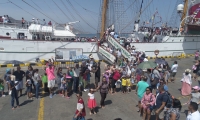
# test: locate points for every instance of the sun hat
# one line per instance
(7, 70)
(188, 70)
(196, 87)
(68, 76)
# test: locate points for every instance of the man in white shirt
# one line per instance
(145, 59)
(119, 53)
(174, 70)
(76, 71)
(193, 112)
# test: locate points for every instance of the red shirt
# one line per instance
(80, 105)
(116, 75)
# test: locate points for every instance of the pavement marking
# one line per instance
(41, 107)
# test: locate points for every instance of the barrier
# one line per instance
(179, 56)
(42, 64)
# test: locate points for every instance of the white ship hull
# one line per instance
(171, 46)
(28, 50)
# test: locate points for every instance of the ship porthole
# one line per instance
(180, 40)
(7, 34)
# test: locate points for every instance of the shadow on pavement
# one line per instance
(107, 102)
(117, 119)
(26, 102)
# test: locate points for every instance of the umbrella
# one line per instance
(80, 58)
(139, 71)
(160, 61)
(15, 62)
(147, 65)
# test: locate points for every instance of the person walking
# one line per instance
(91, 102)
(19, 75)
(147, 102)
(186, 83)
(103, 87)
(195, 95)
(97, 72)
(51, 78)
(193, 112)
(14, 96)
(161, 100)
(140, 90)
(76, 71)
(58, 80)
(6, 76)
(80, 111)
(23, 23)
(37, 81)
(174, 71)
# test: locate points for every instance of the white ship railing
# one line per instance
(14, 25)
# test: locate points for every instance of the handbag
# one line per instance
(10, 92)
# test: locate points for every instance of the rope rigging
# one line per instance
(123, 12)
(80, 15)
(135, 16)
(21, 8)
(78, 25)
(39, 11)
(36, 4)
(52, 11)
(62, 11)
(94, 13)
(4, 2)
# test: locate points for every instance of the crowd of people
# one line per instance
(150, 85)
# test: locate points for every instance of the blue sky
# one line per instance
(90, 15)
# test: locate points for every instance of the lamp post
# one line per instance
(156, 52)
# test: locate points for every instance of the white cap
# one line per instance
(33, 18)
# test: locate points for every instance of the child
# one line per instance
(132, 80)
(128, 84)
(91, 102)
(80, 81)
(29, 86)
(2, 88)
(124, 83)
(86, 80)
(110, 84)
(196, 55)
(63, 86)
(45, 83)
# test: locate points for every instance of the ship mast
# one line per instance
(184, 12)
(103, 23)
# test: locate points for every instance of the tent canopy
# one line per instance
(63, 33)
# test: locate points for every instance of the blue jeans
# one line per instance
(199, 82)
(78, 118)
(14, 97)
(37, 89)
(76, 83)
(120, 83)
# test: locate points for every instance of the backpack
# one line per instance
(169, 100)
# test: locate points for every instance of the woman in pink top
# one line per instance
(148, 101)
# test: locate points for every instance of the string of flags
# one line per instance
(156, 14)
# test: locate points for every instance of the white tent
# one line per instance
(63, 33)
(34, 28)
(47, 29)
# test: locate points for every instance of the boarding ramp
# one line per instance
(116, 45)
(108, 57)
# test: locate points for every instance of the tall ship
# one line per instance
(42, 41)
